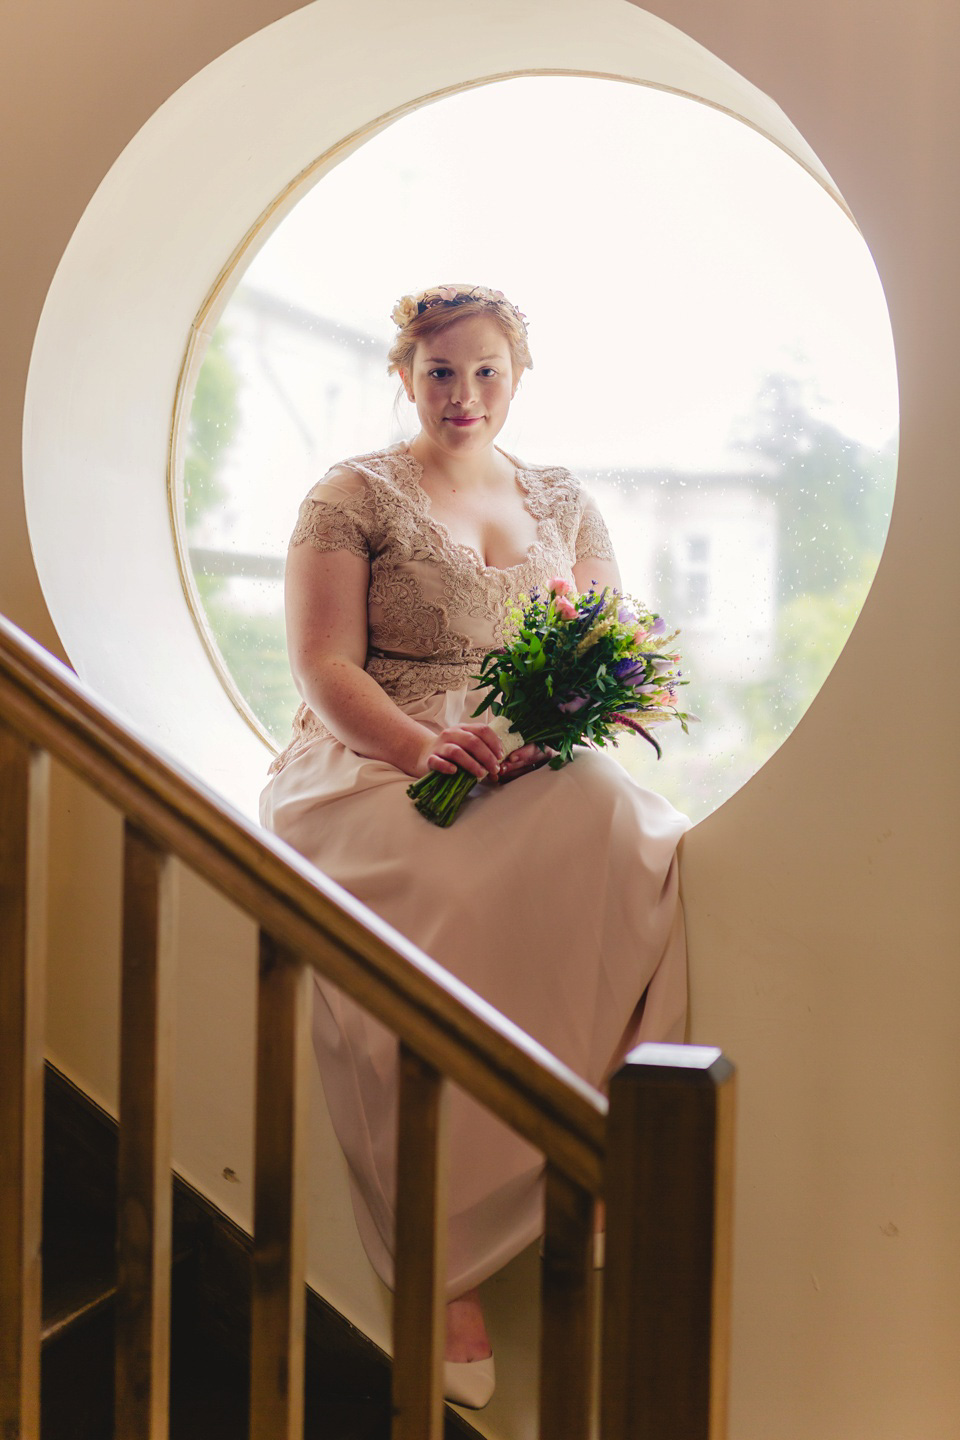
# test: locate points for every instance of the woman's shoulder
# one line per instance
(557, 477)
(552, 489)
(355, 473)
(362, 491)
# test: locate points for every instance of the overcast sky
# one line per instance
(668, 259)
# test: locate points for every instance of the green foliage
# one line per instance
(570, 672)
(254, 648)
(811, 631)
(832, 494)
(211, 431)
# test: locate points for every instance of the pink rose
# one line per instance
(570, 707)
(564, 608)
(559, 586)
(640, 634)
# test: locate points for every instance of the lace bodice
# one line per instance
(434, 608)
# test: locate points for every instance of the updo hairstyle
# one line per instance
(441, 306)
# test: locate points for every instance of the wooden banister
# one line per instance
(663, 1160)
(280, 1195)
(566, 1327)
(24, 785)
(667, 1283)
(441, 1019)
(144, 1199)
(421, 1245)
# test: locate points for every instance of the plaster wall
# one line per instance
(822, 910)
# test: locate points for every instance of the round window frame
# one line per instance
(214, 162)
(231, 276)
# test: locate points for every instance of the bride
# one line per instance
(399, 570)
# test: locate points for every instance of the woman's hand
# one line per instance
(472, 746)
(528, 757)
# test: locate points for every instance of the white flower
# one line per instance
(509, 740)
(404, 310)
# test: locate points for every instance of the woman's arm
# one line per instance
(326, 612)
(597, 573)
(596, 563)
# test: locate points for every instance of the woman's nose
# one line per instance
(463, 390)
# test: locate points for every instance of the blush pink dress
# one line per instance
(554, 897)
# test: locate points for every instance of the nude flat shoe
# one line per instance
(469, 1382)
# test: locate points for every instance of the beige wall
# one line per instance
(822, 906)
(823, 900)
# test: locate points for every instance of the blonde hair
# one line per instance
(441, 306)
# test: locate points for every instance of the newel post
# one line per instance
(666, 1303)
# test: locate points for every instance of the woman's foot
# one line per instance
(468, 1374)
(467, 1337)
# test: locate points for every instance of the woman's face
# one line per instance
(462, 384)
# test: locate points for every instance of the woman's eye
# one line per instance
(488, 372)
(440, 374)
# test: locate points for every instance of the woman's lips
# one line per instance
(464, 419)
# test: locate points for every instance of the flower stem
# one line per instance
(439, 797)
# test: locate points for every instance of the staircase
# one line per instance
(347, 1376)
(659, 1150)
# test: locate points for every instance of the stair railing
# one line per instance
(660, 1153)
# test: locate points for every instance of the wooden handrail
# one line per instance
(662, 1159)
(442, 1019)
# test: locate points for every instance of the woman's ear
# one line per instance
(406, 385)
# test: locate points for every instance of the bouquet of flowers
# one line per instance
(574, 669)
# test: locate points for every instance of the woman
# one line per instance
(398, 573)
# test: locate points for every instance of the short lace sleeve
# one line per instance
(337, 514)
(593, 538)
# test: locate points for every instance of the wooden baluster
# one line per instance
(566, 1311)
(418, 1302)
(280, 1195)
(667, 1278)
(24, 790)
(144, 1178)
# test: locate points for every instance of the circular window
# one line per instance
(712, 357)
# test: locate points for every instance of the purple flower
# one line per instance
(631, 672)
(626, 616)
(659, 626)
(588, 616)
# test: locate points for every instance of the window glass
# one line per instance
(712, 357)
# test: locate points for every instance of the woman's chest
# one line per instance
(498, 527)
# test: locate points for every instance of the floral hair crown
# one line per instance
(408, 307)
